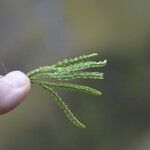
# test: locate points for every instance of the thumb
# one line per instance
(13, 88)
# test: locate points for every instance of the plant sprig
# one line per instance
(68, 70)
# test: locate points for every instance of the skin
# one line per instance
(14, 87)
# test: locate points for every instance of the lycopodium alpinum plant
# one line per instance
(67, 70)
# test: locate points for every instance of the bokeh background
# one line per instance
(34, 33)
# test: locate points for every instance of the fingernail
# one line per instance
(16, 79)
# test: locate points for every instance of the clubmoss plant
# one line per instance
(66, 70)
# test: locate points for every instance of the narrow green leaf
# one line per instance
(68, 70)
(61, 104)
(83, 58)
(70, 76)
(60, 64)
(70, 86)
(82, 66)
(45, 71)
(80, 75)
(35, 72)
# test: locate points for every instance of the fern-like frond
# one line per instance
(82, 66)
(40, 70)
(63, 63)
(68, 70)
(70, 86)
(70, 76)
(73, 65)
(80, 75)
(61, 104)
(83, 58)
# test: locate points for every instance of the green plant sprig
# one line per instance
(68, 70)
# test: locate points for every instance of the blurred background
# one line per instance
(34, 33)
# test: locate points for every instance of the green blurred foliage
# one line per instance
(36, 33)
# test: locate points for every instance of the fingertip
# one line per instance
(14, 88)
(17, 79)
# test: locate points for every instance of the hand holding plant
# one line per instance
(16, 85)
(67, 70)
